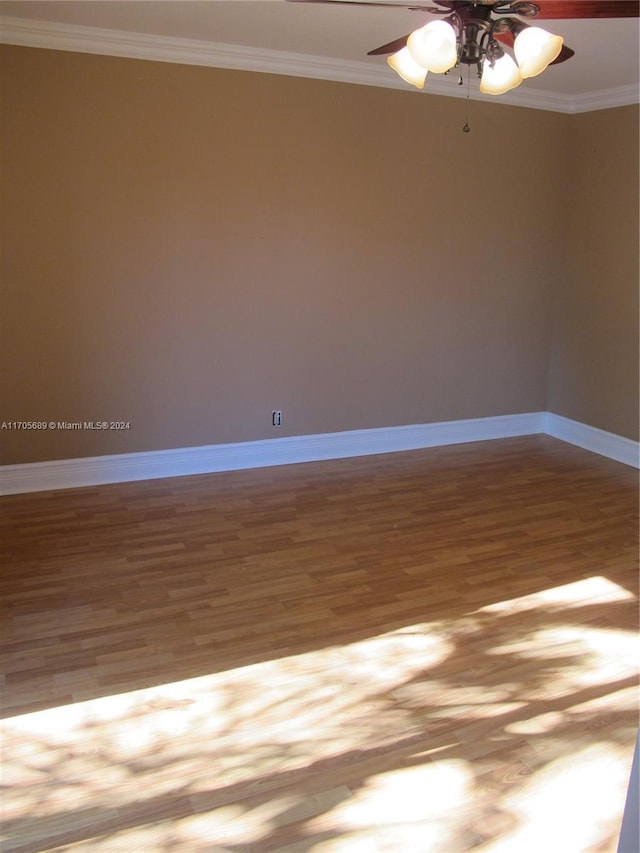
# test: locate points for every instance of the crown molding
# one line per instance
(71, 37)
(604, 99)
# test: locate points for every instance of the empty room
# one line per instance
(319, 418)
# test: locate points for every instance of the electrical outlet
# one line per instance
(276, 417)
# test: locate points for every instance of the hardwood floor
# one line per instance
(422, 651)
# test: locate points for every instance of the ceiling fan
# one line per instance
(475, 33)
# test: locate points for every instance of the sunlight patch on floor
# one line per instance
(472, 733)
(413, 808)
(567, 803)
(588, 591)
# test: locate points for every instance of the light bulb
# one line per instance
(535, 48)
(434, 46)
(504, 75)
(408, 68)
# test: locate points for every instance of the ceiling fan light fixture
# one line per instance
(434, 46)
(500, 77)
(405, 65)
(535, 49)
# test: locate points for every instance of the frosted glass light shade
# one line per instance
(434, 46)
(535, 48)
(408, 68)
(504, 75)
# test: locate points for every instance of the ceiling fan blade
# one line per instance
(508, 39)
(390, 47)
(549, 9)
(505, 38)
(565, 9)
(565, 53)
(413, 7)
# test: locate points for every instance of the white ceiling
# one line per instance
(337, 37)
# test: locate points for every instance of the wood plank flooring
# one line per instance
(423, 651)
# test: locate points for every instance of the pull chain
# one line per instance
(465, 126)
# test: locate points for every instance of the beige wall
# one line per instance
(593, 375)
(188, 248)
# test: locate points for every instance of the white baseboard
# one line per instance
(596, 440)
(99, 470)
(125, 467)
